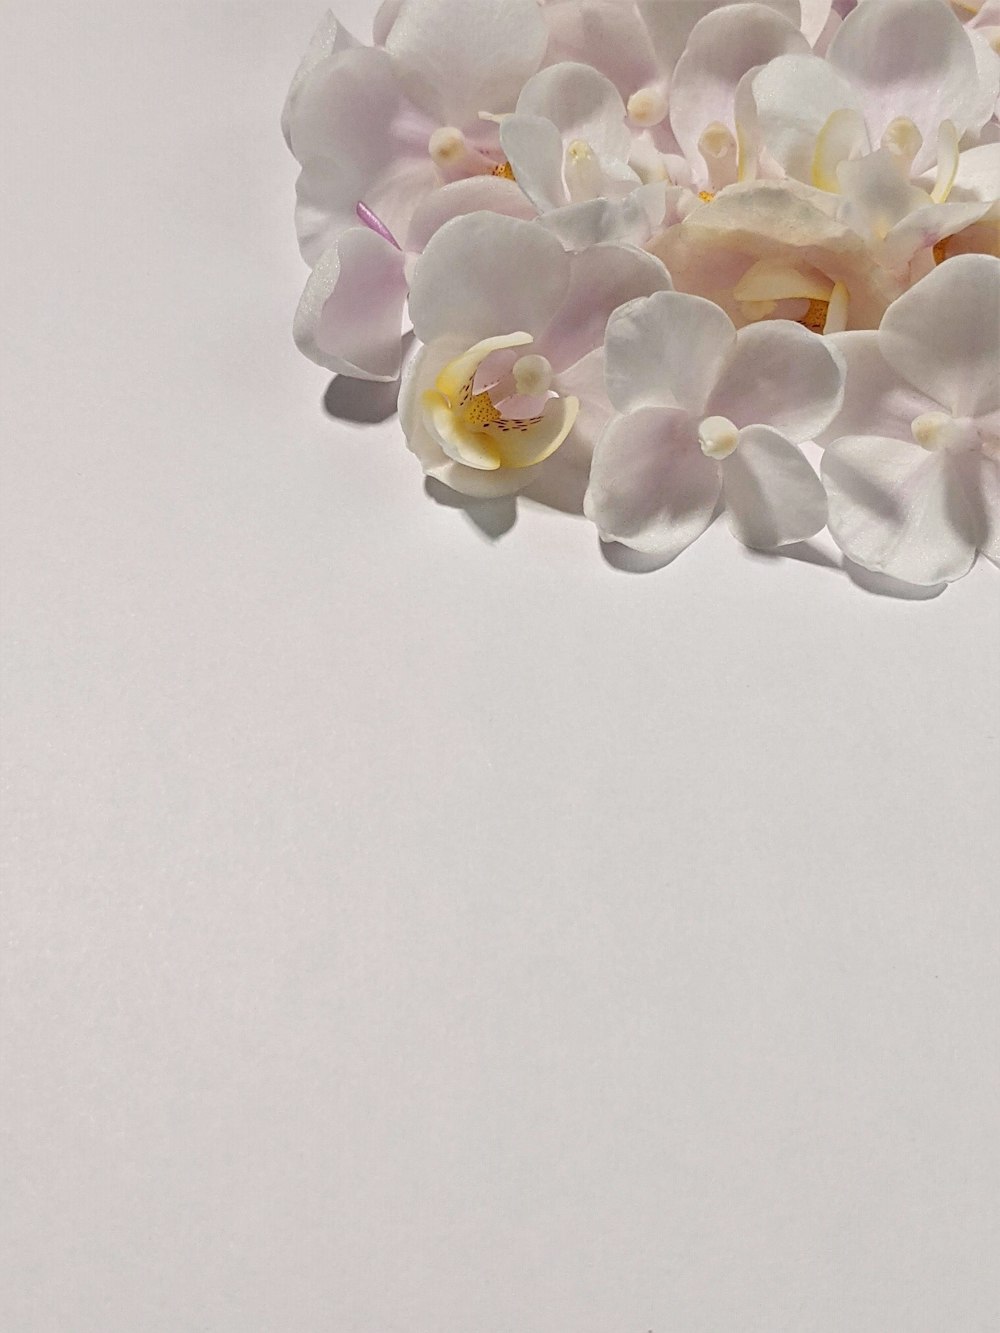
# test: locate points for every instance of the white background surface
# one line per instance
(414, 933)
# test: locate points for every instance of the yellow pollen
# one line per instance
(505, 170)
(706, 196)
(815, 316)
(480, 410)
(940, 252)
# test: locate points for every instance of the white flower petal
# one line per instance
(781, 375)
(651, 487)
(384, 18)
(666, 351)
(632, 219)
(899, 510)
(606, 34)
(670, 22)
(794, 97)
(978, 174)
(601, 279)
(989, 490)
(909, 58)
(722, 47)
(582, 104)
(534, 148)
(455, 59)
(815, 16)
(491, 194)
(772, 495)
(483, 275)
(876, 399)
(329, 38)
(350, 317)
(943, 334)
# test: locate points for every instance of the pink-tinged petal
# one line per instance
(582, 104)
(876, 399)
(722, 47)
(329, 39)
(384, 18)
(781, 375)
(492, 194)
(943, 335)
(815, 18)
(909, 58)
(651, 487)
(606, 34)
(670, 22)
(601, 279)
(455, 59)
(900, 510)
(926, 226)
(534, 148)
(633, 219)
(350, 317)
(876, 195)
(483, 275)
(666, 350)
(772, 495)
(584, 381)
(978, 175)
(989, 492)
(794, 97)
(351, 109)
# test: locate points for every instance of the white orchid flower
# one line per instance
(895, 74)
(912, 467)
(509, 380)
(709, 414)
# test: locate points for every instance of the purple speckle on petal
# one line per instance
(377, 225)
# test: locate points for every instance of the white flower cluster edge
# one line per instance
(651, 248)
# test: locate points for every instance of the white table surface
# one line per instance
(414, 932)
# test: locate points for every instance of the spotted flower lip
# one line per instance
(658, 255)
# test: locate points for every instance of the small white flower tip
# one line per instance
(718, 437)
(717, 140)
(446, 146)
(532, 375)
(903, 140)
(647, 107)
(933, 430)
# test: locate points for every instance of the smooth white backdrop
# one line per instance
(409, 931)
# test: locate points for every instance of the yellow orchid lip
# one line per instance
(474, 431)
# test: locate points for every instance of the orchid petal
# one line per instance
(455, 59)
(651, 487)
(900, 510)
(877, 400)
(670, 22)
(351, 314)
(666, 351)
(772, 495)
(781, 375)
(941, 335)
(483, 274)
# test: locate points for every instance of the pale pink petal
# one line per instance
(722, 47)
(606, 34)
(534, 148)
(582, 104)
(633, 219)
(492, 194)
(483, 275)
(351, 314)
(651, 487)
(455, 59)
(900, 510)
(877, 400)
(781, 375)
(989, 490)
(384, 19)
(772, 495)
(666, 351)
(329, 38)
(670, 22)
(909, 58)
(601, 279)
(943, 334)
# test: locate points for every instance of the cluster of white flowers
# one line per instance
(650, 248)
